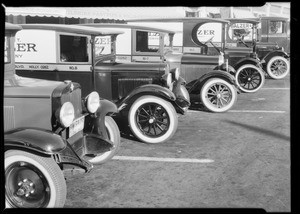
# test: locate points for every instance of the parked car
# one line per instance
(206, 37)
(272, 46)
(214, 89)
(49, 129)
(143, 93)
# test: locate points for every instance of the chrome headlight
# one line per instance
(93, 102)
(66, 114)
(175, 73)
(221, 59)
(169, 80)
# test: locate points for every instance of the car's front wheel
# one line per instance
(114, 136)
(249, 78)
(152, 119)
(218, 95)
(33, 181)
(278, 67)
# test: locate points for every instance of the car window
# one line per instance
(7, 57)
(147, 41)
(275, 27)
(73, 48)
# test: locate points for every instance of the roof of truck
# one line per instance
(71, 29)
(12, 27)
(112, 25)
(186, 19)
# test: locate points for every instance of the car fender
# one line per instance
(197, 84)
(222, 67)
(148, 89)
(35, 140)
(271, 54)
(246, 60)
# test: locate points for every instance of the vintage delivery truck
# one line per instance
(50, 129)
(206, 37)
(269, 39)
(147, 96)
(208, 87)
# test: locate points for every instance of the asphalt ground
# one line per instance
(237, 159)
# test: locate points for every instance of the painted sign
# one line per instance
(35, 46)
(102, 45)
(209, 31)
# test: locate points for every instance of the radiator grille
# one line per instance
(9, 118)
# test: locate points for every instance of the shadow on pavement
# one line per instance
(260, 130)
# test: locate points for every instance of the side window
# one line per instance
(73, 48)
(7, 57)
(147, 41)
(275, 27)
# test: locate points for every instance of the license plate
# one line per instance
(76, 126)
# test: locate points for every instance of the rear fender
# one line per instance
(149, 89)
(222, 67)
(197, 85)
(34, 139)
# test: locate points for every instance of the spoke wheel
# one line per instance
(249, 78)
(152, 119)
(278, 67)
(217, 95)
(33, 181)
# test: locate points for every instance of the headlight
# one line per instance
(221, 59)
(66, 114)
(175, 73)
(169, 80)
(93, 102)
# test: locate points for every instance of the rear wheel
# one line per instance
(32, 181)
(249, 78)
(152, 119)
(278, 67)
(218, 95)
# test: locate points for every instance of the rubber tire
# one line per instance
(207, 104)
(114, 136)
(49, 168)
(271, 61)
(262, 75)
(170, 111)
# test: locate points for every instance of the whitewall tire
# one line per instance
(33, 181)
(218, 95)
(152, 119)
(278, 67)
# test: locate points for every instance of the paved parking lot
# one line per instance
(237, 159)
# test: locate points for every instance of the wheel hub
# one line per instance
(26, 187)
(152, 120)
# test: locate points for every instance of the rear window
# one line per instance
(276, 27)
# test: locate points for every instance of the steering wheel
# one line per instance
(209, 40)
(241, 40)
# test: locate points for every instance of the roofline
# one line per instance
(71, 29)
(186, 19)
(112, 25)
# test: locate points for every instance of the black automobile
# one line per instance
(145, 94)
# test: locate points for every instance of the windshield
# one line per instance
(7, 57)
(241, 31)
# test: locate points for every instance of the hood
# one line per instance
(29, 87)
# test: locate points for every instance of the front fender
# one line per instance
(35, 139)
(222, 67)
(271, 54)
(197, 85)
(149, 89)
(247, 60)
